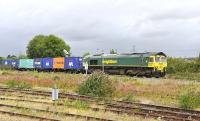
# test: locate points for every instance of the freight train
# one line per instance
(134, 64)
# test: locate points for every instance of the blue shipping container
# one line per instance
(38, 63)
(15, 63)
(74, 63)
(47, 63)
(7, 62)
(10, 63)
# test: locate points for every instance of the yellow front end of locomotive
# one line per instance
(158, 62)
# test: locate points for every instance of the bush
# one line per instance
(190, 98)
(97, 85)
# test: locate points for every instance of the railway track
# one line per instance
(27, 116)
(88, 118)
(146, 110)
(120, 110)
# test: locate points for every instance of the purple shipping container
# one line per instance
(47, 63)
(9, 63)
(15, 63)
(74, 63)
(37, 63)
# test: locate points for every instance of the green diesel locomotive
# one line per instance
(134, 64)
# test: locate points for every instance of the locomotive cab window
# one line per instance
(163, 59)
(157, 59)
(151, 59)
(93, 62)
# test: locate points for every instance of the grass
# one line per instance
(78, 107)
(157, 91)
(190, 97)
(185, 76)
(17, 84)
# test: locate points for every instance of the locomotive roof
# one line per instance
(146, 54)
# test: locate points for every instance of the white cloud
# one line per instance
(172, 26)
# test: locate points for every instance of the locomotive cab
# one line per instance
(159, 63)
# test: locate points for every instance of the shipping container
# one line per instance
(26, 64)
(58, 63)
(37, 63)
(47, 63)
(15, 63)
(7, 62)
(75, 63)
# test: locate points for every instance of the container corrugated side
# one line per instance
(73, 63)
(14, 63)
(26, 63)
(47, 63)
(58, 63)
(37, 63)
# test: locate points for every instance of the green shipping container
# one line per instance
(26, 63)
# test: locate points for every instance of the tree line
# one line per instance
(182, 65)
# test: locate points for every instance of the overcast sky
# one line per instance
(172, 26)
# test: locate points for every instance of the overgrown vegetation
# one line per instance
(190, 98)
(180, 68)
(98, 84)
(180, 65)
(20, 85)
(130, 98)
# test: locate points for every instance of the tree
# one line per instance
(1, 58)
(199, 57)
(46, 46)
(112, 51)
(86, 54)
(11, 57)
(22, 57)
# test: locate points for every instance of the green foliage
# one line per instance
(86, 54)
(76, 104)
(20, 85)
(112, 51)
(180, 65)
(97, 85)
(24, 85)
(80, 104)
(5, 73)
(190, 98)
(12, 57)
(46, 46)
(22, 57)
(11, 84)
(1, 58)
(130, 98)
